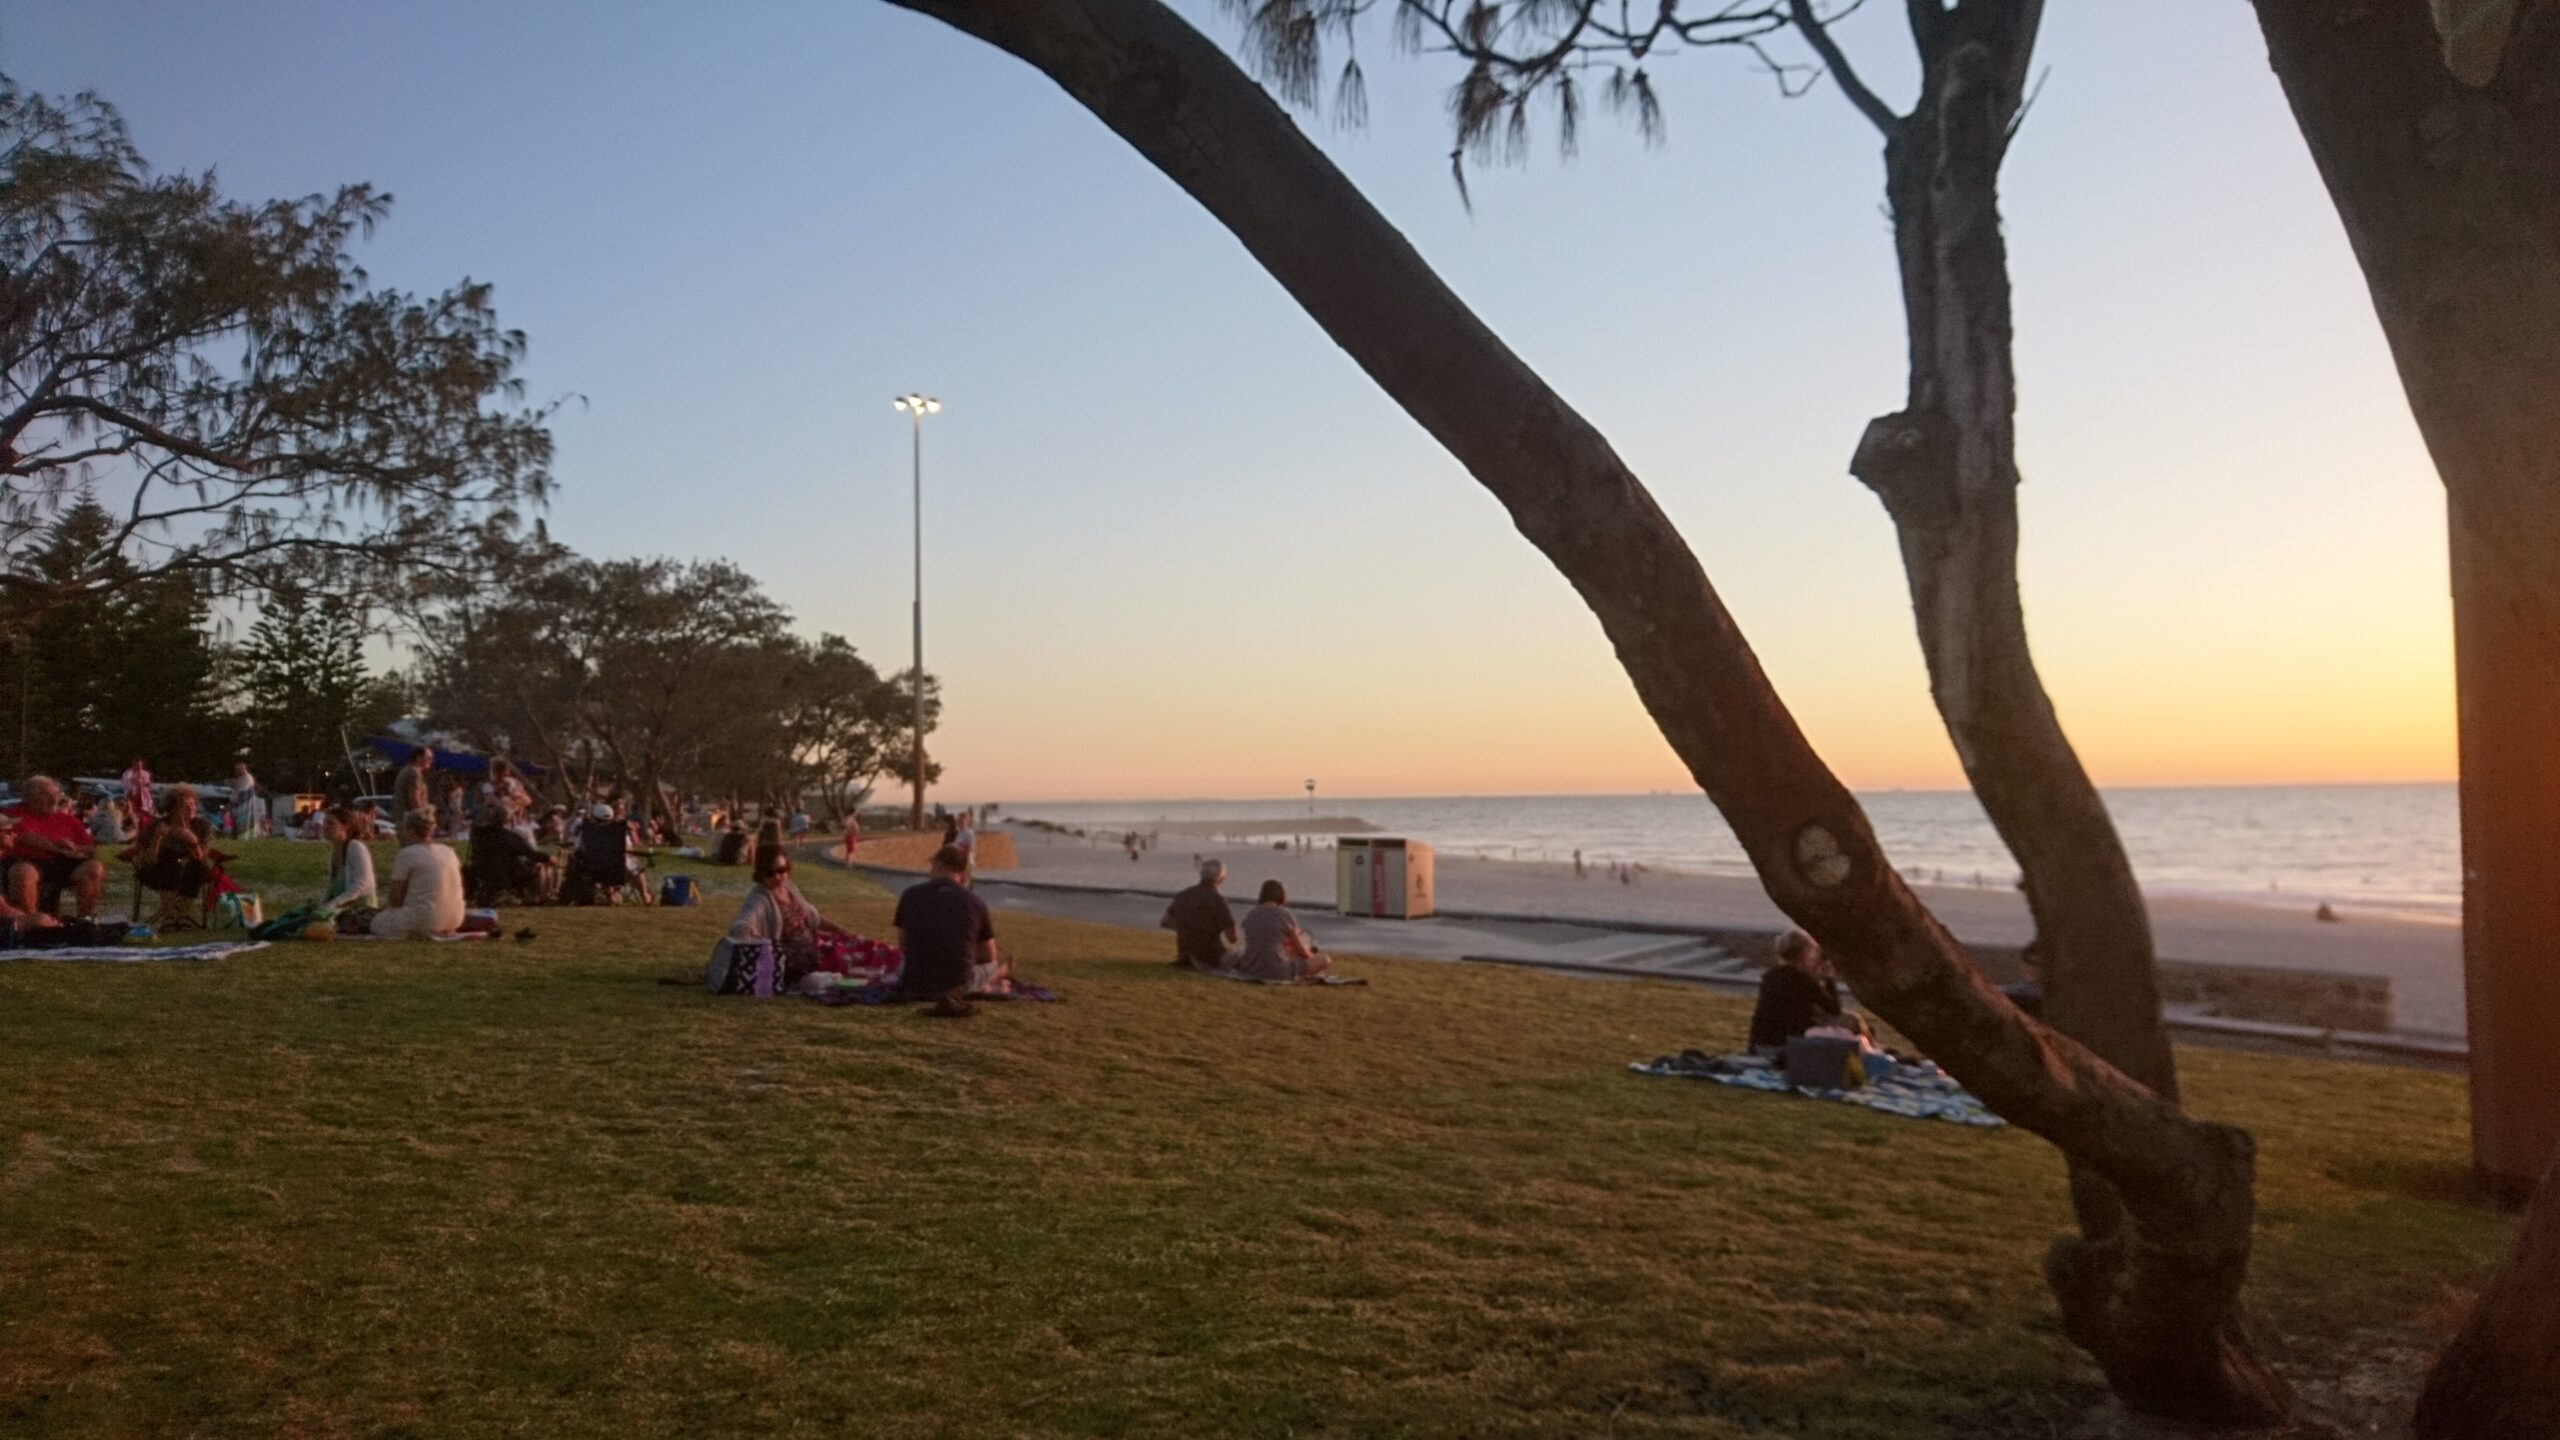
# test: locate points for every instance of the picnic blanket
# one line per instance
(129, 954)
(438, 939)
(1328, 978)
(1916, 1091)
(884, 991)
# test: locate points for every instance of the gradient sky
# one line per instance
(1176, 544)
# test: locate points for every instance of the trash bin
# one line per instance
(1382, 876)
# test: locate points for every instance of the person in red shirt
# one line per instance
(52, 851)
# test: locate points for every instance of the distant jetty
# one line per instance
(1241, 827)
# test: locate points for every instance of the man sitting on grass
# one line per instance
(52, 851)
(1204, 929)
(1798, 994)
(949, 937)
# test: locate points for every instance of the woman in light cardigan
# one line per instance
(350, 861)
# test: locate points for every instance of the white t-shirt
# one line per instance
(433, 903)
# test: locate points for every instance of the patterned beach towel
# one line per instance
(131, 954)
(1915, 1092)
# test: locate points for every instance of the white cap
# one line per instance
(600, 811)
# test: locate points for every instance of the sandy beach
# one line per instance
(2422, 961)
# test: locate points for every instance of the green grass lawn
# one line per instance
(500, 1189)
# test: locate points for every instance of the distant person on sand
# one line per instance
(1274, 947)
(1204, 929)
(949, 936)
(1797, 994)
(1577, 865)
(964, 837)
(1129, 842)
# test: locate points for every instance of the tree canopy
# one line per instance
(222, 373)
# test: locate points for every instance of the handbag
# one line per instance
(745, 967)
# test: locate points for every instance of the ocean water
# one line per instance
(2392, 848)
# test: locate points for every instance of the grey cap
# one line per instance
(1213, 871)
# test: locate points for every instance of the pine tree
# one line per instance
(303, 671)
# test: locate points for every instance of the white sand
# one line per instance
(2422, 961)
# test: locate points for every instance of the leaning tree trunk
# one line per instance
(2186, 1184)
(2500, 1379)
(1945, 467)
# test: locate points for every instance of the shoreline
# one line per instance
(2420, 958)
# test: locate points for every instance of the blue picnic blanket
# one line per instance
(1915, 1091)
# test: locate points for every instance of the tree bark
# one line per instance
(1183, 104)
(2449, 187)
(1945, 467)
(2500, 1379)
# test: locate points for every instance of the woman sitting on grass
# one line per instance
(776, 911)
(1796, 995)
(175, 857)
(426, 884)
(1274, 947)
(350, 861)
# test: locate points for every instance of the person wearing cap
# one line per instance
(600, 861)
(1204, 929)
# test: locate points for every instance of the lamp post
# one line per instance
(916, 408)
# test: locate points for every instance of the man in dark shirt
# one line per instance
(944, 928)
(1796, 995)
(1204, 929)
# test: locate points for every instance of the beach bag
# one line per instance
(679, 890)
(745, 967)
(290, 924)
(241, 908)
(1821, 1062)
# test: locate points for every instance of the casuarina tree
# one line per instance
(2156, 1299)
(219, 373)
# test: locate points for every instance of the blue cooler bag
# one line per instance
(679, 890)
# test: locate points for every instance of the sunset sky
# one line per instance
(1178, 545)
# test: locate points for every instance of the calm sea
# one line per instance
(2378, 847)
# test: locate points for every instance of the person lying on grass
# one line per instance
(1274, 947)
(776, 911)
(1798, 994)
(949, 936)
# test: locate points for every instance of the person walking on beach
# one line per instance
(1577, 864)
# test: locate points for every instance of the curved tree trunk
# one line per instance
(2186, 1184)
(1945, 467)
(2500, 1378)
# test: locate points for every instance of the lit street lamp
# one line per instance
(916, 408)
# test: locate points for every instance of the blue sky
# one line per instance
(1177, 544)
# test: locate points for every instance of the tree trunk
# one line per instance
(1180, 102)
(1945, 467)
(2500, 1379)
(2442, 160)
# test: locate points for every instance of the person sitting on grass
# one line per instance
(1204, 929)
(1275, 948)
(504, 862)
(776, 912)
(52, 851)
(426, 884)
(350, 860)
(949, 936)
(1798, 994)
(175, 858)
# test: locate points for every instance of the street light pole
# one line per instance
(917, 407)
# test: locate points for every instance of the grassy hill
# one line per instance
(524, 1189)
